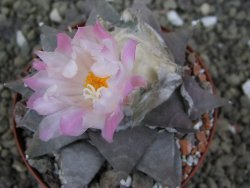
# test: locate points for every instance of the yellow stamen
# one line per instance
(96, 82)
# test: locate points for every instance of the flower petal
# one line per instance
(71, 123)
(133, 83)
(108, 101)
(53, 59)
(46, 106)
(94, 119)
(138, 81)
(100, 31)
(105, 68)
(38, 81)
(70, 70)
(38, 65)
(50, 126)
(63, 43)
(111, 124)
(33, 98)
(128, 53)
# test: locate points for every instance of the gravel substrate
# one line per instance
(222, 39)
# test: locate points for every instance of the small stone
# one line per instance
(31, 35)
(211, 183)
(186, 146)
(20, 39)
(192, 58)
(214, 145)
(202, 185)
(205, 8)
(4, 153)
(209, 21)
(18, 166)
(202, 77)
(4, 125)
(234, 79)
(187, 169)
(157, 185)
(205, 118)
(142, 181)
(111, 179)
(246, 88)
(174, 18)
(201, 136)
(194, 150)
(127, 182)
(3, 57)
(170, 4)
(190, 160)
(202, 147)
(55, 16)
(226, 147)
(18, 61)
(198, 125)
(227, 160)
(196, 69)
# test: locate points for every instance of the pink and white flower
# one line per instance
(83, 83)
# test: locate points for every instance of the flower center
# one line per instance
(93, 85)
(96, 82)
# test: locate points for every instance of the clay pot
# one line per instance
(20, 141)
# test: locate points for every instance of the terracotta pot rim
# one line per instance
(38, 177)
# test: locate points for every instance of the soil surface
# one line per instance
(222, 39)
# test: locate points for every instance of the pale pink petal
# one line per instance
(105, 68)
(94, 119)
(111, 124)
(108, 101)
(128, 88)
(46, 106)
(38, 65)
(50, 126)
(100, 31)
(85, 32)
(133, 83)
(70, 70)
(63, 43)
(138, 81)
(53, 59)
(128, 53)
(109, 49)
(38, 81)
(41, 81)
(33, 98)
(71, 123)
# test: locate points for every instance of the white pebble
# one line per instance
(195, 22)
(232, 129)
(209, 21)
(55, 16)
(198, 125)
(171, 130)
(126, 16)
(20, 39)
(197, 153)
(190, 160)
(174, 18)
(157, 185)
(205, 8)
(246, 88)
(127, 182)
(41, 24)
(196, 161)
(178, 143)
